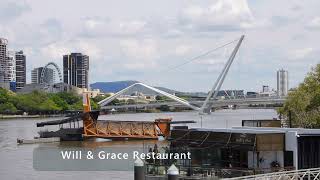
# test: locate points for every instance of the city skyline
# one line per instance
(138, 46)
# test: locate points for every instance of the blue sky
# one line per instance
(140, 39)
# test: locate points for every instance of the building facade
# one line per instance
(3, 57)
(282, 82)
(9, 70)
(10, 67)
(76, 70)
(20, 69)
(49, 76)
(265, 88)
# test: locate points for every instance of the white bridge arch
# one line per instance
(173, 97)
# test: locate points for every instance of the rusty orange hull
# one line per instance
(121, 129)
(124, 129)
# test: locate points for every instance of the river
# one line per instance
(17, 160)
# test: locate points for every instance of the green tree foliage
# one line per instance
(117, 101)
(100, 98)
(76, 106)
(37, 102)
(59, 101)
(3, 96)
(94, 105)
(7, 108)
(69, 98)
(162, 98)
(304, 102)
(159, 98)
(49, 105)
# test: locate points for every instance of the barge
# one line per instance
(86, 125)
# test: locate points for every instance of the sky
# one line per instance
(143, 40)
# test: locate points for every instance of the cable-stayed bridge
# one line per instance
(203, 106)
(193, 104)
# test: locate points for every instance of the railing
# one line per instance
(309, 174)
(203, 172)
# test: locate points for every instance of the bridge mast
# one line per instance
(205, 108)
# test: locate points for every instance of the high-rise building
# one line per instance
(9, 67)
(8, 71)
(76, 70)
(282, 82)
(49, 75)
(3, 57)
(20, 69)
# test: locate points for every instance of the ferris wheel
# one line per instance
(44, 70)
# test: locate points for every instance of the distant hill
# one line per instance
(116, 86)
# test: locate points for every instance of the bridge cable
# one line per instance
(201, 55)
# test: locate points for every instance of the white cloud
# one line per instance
(54, 51)
(314, 23)
(139, 53)
(131, 27)
(222, 15)
(182, 50)
(10, 10)
(301, 53)
(57, 50)
(212, 61)
(95, 26)
(139, 49)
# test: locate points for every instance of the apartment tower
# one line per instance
(20, 69)
(282, 82)
(76, 70)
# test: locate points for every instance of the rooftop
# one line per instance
(262, 130)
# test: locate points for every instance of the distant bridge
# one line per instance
(196, 103)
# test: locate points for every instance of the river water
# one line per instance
(16, 161)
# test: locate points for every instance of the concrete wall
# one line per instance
(292, 145)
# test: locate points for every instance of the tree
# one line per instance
(304, 102)
(26, 103)
(49, 105)
(3, 95)
(38, 101)
(63, 105)
(116, 101)
(100, 98)
(159, 98)
(76, 106)
(7, 108)
(70, 98)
